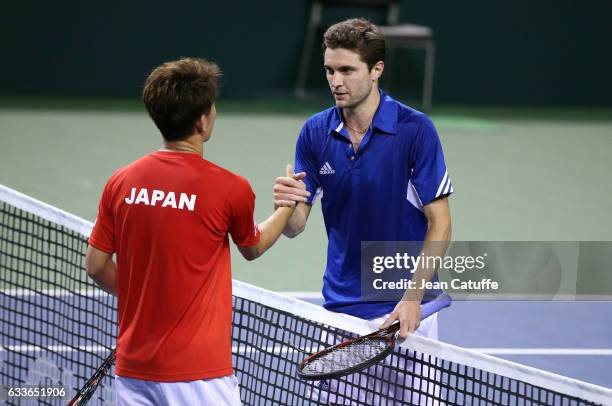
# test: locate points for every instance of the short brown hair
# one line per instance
(359, 35)
(177, 93)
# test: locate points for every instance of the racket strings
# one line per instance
(346, 357)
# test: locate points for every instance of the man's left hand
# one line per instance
(408, 312)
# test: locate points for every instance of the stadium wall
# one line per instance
(506, 53)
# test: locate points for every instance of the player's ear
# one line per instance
(200, 124)
(377, 70)
(207, 123)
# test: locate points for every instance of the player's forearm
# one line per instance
(435, 245)
(272, 228)
(296, 223)
(105, 276)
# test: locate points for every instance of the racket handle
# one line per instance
(440, 302)
(389, 330)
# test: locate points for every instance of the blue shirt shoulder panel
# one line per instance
(429, 178)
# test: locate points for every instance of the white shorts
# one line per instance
(218, 391)
(325, 391)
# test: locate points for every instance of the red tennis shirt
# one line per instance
(167, 216)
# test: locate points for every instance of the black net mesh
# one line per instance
(266, 359)
(57, 328)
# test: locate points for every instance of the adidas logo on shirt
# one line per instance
(327, 169)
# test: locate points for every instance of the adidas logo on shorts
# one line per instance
(326, 169)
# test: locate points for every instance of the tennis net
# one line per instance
(57, 327)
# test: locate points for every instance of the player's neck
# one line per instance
(192, 144)
(361, 115)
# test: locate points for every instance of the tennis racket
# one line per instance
(83, 395)
(359, 353)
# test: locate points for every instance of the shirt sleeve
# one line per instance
(429, 173)
(243, 228)
(103, 234)
(305, 161)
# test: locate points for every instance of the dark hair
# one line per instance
(177, 93)
(359, 35)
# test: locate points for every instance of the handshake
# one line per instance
(290, 189)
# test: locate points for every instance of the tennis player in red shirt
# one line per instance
(167, 217)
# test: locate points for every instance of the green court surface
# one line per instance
(519, 174)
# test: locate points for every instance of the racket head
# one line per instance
(346, 358)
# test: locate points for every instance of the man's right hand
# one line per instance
(290, 189)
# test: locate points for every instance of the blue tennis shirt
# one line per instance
(374, 194)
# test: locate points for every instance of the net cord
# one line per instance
(46, 211)
(459, 355)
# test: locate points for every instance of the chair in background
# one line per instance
(397, 35)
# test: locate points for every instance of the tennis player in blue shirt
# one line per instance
(378, 168)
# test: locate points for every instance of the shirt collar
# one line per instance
(385, 118)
